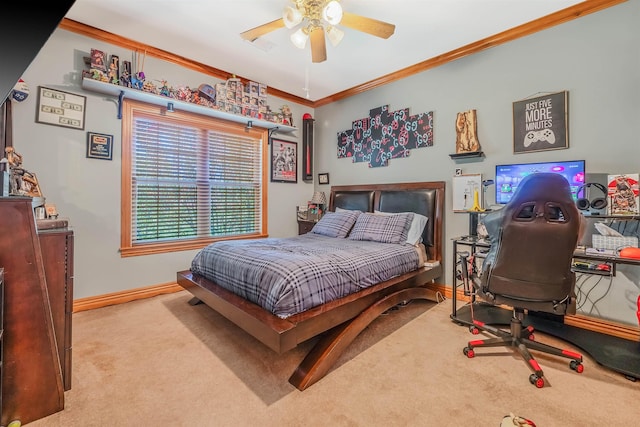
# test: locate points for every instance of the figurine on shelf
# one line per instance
(138, 79)
(164, 88)
(183, 93)
(287, 117)
(125, 76)
(114, 69)
(149, 87)
(136, 83)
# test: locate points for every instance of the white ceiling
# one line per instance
(207, 31)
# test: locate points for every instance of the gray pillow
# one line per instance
(382, 228)
(414, 235)
(336, 224)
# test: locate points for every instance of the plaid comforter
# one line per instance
(290, 275)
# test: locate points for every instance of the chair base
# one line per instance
(514, 338)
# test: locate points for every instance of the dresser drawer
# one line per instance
(305, 226)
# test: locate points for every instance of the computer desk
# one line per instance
(619, 354)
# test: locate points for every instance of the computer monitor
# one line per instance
(509, 176)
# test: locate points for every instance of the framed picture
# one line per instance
(51, 210)
(323, 178)
(98, 60)
(59, 108)
(467, 193)
(541, 123)
(284, 161)
(99, 146)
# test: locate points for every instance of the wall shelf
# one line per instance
(122, 92)
(604, 216)
(467, 155)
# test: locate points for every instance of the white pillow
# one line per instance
(414, 235)
(339, 209)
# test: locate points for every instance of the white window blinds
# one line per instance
(193, 180)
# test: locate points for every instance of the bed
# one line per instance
(337, 322)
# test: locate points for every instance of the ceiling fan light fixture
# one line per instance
(291, 16)
(332, 12)
(334, 35)
(316, 21)
(299, 38)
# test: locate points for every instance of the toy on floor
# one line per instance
(514, 420)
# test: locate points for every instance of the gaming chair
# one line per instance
(528, 266)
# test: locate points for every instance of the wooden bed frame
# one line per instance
(338, 322)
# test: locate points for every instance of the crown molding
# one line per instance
(579, 10)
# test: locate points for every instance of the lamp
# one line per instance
(291, 16)
(319, 198)
(334, 35)
(299, 38)
(332, 12)
(313, 15)
(170, 107)
(249, 126)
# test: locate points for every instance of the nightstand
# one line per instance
(305, 226)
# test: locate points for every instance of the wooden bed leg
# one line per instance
(327, 351)
(195, 301)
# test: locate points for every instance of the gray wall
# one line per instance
(87, 191)
(595, 58)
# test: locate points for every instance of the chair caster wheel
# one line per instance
(576, 366)
(536, 380)
(474, 330)
(531, 337)
(469, 352)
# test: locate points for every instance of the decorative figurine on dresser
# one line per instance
(22, 182)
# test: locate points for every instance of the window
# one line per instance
(188, 180)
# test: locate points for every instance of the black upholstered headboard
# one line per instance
(426, 198)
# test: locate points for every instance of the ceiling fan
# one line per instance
(317, 18)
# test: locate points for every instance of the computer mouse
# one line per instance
(629, 253)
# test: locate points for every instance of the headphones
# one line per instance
(597, 203)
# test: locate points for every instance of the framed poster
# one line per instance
(98, 60)
(541, 123)
(623, 192)
(59, 108)
(284, 161)
(99, 146)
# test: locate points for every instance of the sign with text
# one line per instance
(541, 123)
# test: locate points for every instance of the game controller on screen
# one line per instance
(539, 135)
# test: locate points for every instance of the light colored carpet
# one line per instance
(163, 362)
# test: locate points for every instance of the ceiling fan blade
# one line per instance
(367, 25)
(263, 29)
(318, 45)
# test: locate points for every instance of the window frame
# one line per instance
(129, 109)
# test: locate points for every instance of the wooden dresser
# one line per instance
(1, 328)
(57, 256)
(32, 383)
